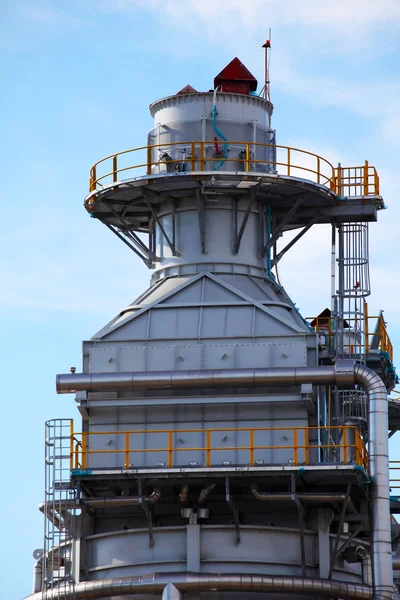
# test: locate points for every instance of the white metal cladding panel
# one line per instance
(239, 320)
(268, 325)
(134, 329)
(205, 322)
(129, 548)
(191, 293)
(104, 360)
(245, 414)
(189, 445)
(189, 357)
(174, 323)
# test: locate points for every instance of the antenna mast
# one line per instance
(265, 92)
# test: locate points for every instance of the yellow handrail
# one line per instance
(80, 451)
(362, 180)
(324, 325)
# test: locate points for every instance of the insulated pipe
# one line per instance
(99, 502)
(341, 374)
(184, 494)
(365, 559)
(118, 501)
(311, 496)
(344, 374)
(355, 554)
(205, 492)
(381, 542)
(211, 582)
(37, 576)
(308, 497)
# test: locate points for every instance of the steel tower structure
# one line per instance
(229, 448)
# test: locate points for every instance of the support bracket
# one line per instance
(146, 195)
(147, 510)
(147, 261)
(312, 222)
(234, 508)
(251, 195)
(202, 219)
(302, 518)
(278, 230)
(340, 529)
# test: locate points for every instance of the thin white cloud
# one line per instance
(340, 28)
(358, 14)
(41, 12)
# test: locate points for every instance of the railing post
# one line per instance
(252, 447)
(71, 444)
(208, 448)
(201, 156)
(345, 445)
(366, 327)
(376, 182)
(295, 449)
(318, 170)
(359, 458)
(247, 157)
(339, 180)
(77, 455)
(84, 450)
(93, 179)
(149, 157)
(127, 434)
(170, 449)
(288, 162)
(306, 445)
(115, 167)
(333, 181)
(193, 156)
(381, 334)
(366, 175)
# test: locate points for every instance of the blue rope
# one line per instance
(221, 135)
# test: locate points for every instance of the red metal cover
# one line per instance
(236, 74)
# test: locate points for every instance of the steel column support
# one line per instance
(252, 195)
(234, 509)
(277, 232)
(340, 529)
(147, 261)
(202, 219)
(281, 254)
(145, 506)
(324, 519)
(193, 548)
(156, 218)
(302, 518)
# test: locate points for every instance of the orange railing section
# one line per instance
(350, 448)
(344, 181)
(360, 329)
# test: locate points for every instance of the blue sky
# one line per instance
(77, 79)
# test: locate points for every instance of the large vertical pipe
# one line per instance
(379, 472)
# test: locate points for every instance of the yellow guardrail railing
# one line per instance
(344, 181)
(360, 329)
(350, 448)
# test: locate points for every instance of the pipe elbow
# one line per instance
(205, 492)
(154, 496)
(184, 494)
(256, 493)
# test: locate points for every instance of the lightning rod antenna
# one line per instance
(266, 89)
